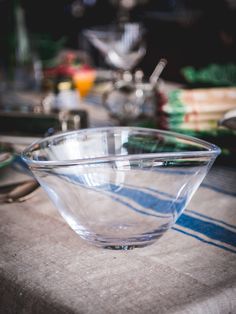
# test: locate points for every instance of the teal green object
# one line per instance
(47, 48)
(213, 74)
(6, 162)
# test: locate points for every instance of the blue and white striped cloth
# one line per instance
(211, 215)
(209, 218)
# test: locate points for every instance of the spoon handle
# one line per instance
(157, 72)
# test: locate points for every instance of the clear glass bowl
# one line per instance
(120, 187)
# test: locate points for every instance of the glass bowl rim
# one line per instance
(211, 151)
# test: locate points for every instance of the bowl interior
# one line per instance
(122, 142)
(120, 187)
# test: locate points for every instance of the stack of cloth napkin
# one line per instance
(197, 112)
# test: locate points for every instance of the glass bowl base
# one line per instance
(123, 244)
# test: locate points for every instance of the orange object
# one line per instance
(84, 80)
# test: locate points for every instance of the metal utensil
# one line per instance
(157, 71)
(4, 156)
(18, 192)
(229, 120)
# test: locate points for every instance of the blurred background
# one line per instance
(186, 32)
(69, 64)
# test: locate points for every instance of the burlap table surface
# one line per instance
(46, 268)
